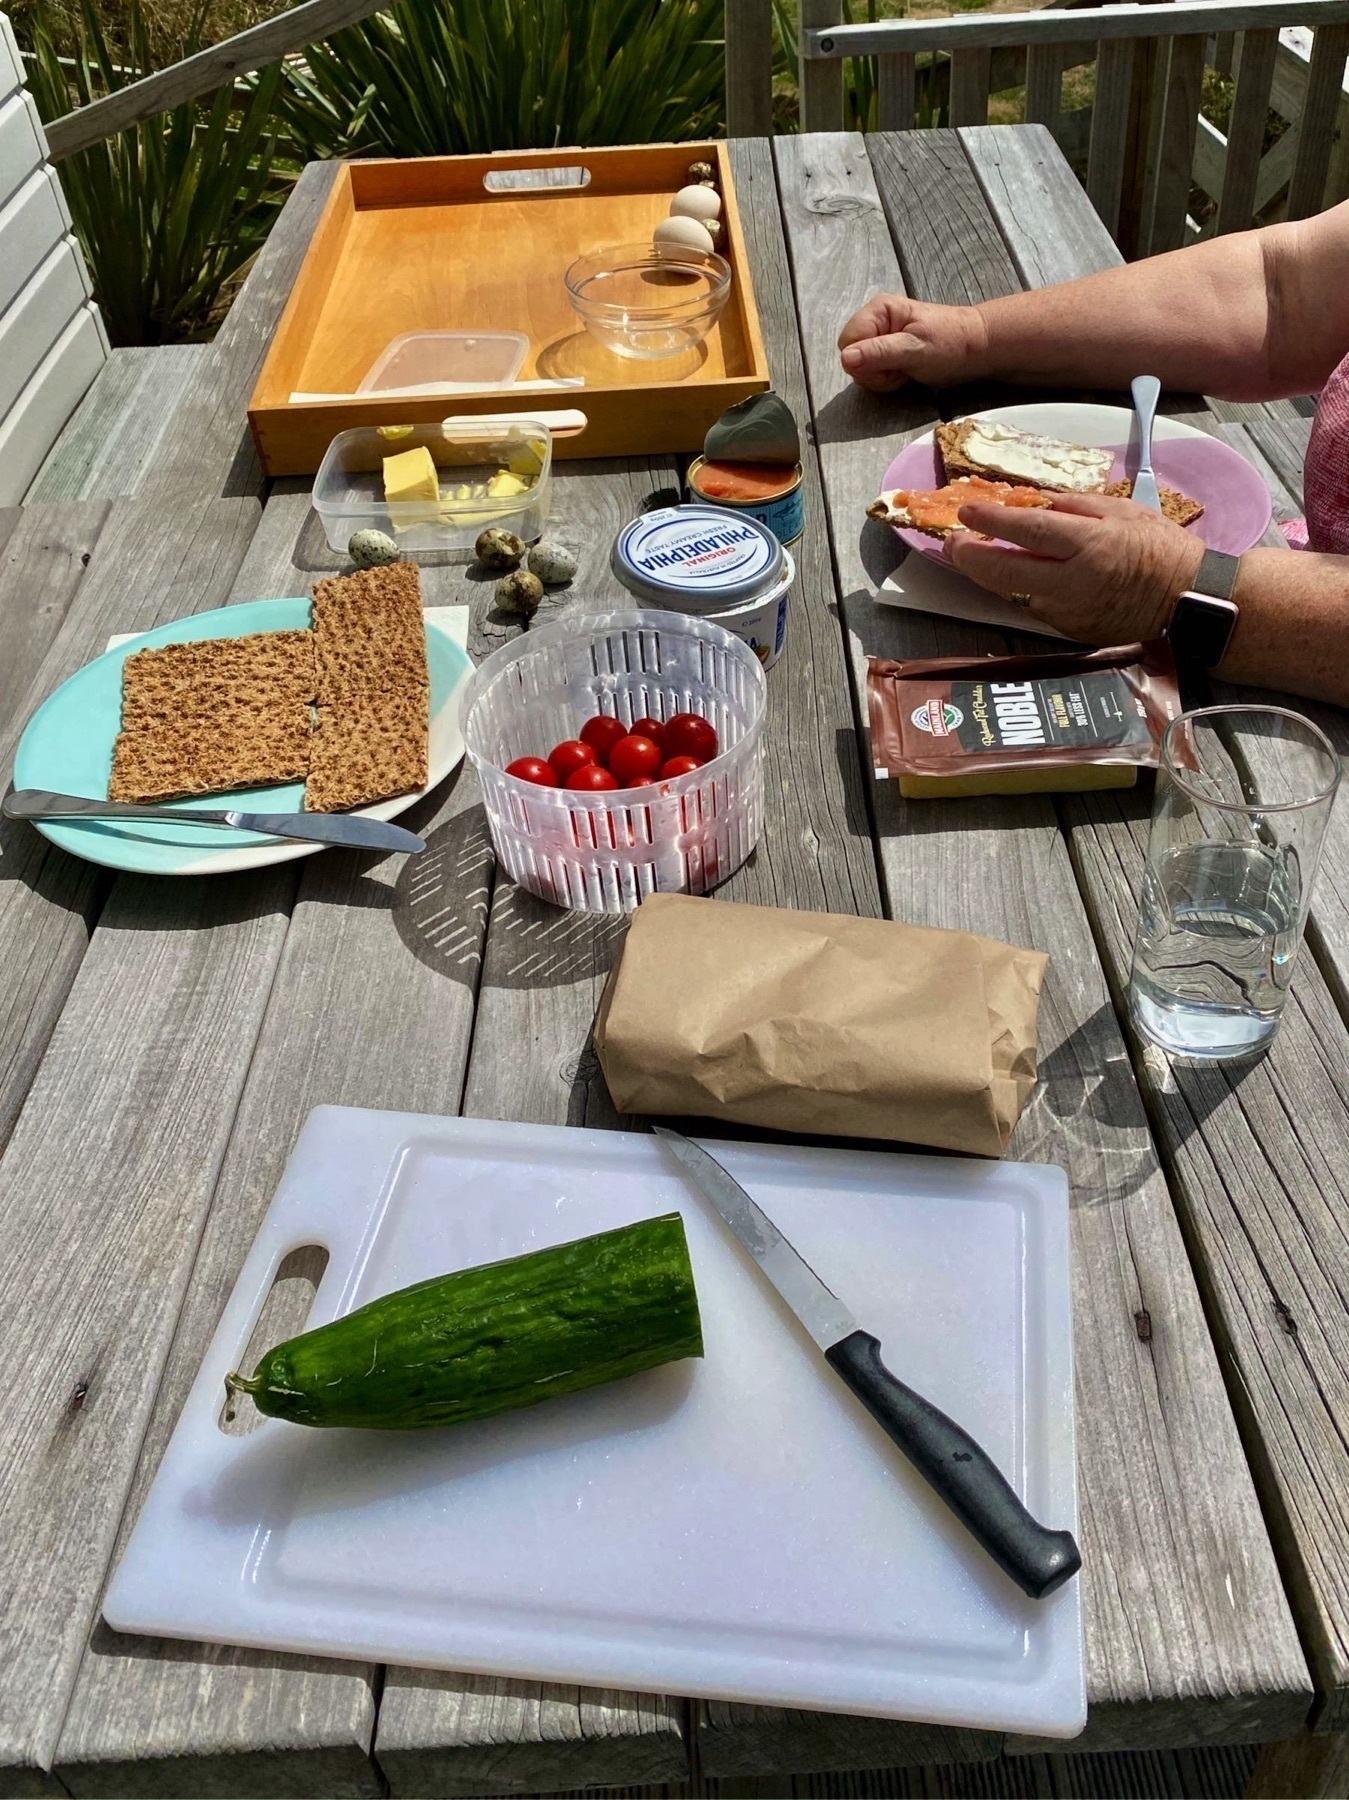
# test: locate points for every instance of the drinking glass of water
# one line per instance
(1243, 799)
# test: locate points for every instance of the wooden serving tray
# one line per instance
(425, 244)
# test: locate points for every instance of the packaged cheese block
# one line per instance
(1021, 724)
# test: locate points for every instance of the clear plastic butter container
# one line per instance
(470, 457)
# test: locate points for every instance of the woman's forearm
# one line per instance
(1293, 629)
(1249, 316)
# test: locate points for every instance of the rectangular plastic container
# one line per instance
(432, 360)
(349, 487)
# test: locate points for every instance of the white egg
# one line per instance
(696, 203)
(682, 233)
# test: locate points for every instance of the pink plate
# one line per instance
(1236, 503)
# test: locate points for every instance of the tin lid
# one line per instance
(696, 558)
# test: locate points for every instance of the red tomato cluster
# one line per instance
(609, 755)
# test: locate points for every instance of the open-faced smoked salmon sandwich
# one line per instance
(936, 510)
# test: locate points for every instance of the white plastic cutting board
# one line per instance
(736, 1527)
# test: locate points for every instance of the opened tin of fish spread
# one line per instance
(778, 506)
(718, 565)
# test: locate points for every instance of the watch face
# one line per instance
(1201, 628)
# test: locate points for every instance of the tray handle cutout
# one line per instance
(531, 181)
(284, 1314)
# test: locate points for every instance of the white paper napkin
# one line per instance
(452, 620)
(922, 585)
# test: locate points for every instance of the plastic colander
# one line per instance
(604, 852)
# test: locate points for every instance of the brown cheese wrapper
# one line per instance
(820, 1023)
(1008, 724)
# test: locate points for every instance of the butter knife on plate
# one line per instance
(320, 828)
(1146, 391)
(1038, 1559)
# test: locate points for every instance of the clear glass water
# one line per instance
(1218, 934)
(1243, 798)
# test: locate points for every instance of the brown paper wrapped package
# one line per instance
(816, 1022)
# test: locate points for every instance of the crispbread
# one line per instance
(951, 440)
(368, 747)
(215, 677)
(195, 753)
(369, 633)
(1179, 508)
(893, 506)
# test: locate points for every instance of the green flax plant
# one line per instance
(445, 77)
(170, 212)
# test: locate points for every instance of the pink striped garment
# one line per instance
(1325, 476)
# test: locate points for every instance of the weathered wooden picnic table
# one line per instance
(162, 1041)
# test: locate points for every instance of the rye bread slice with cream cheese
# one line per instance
(952, 441)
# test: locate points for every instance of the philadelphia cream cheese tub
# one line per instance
(713, 564)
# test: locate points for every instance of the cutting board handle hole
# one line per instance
(284, 1313)
(532, 181)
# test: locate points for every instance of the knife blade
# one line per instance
(1146, 391)
(320, 828)
(1036, 1557)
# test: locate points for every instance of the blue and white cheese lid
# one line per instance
(696, 558)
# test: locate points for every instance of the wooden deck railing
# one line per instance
(1143, 138)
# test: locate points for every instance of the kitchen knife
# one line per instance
(1037, 1559)
(1146, 391)
(319, 828)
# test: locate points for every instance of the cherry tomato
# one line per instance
(602, 733)
(679, 765)
(649, 728)
(687, 734)
(642, 781)
(567, 757)
(634, 756)
(533, 768)
(590, 778)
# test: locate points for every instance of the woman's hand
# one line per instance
(892, 340)
(1100, 571)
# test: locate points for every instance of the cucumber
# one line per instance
(485, 1340)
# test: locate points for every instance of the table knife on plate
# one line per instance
(317, 828)
(1037, 1558)
(1146, 391)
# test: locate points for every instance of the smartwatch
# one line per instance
(1205, 614)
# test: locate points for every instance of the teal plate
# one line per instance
(67, 748)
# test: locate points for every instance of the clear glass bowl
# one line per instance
(649, 300)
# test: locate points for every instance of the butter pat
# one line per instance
(503, 484)
(411, 475)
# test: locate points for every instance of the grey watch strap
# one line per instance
(1216, 575)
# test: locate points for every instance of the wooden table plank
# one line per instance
(542, 981)
(150, 1717)
(150, 564)
(1249, 1150)
(44, 551)
(1037, 200)
(208, 448)
(103, 1190)
(1188, 1634)
(443, 1733)
(115, 432)
(735, 1740)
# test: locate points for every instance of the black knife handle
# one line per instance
(968, 1480)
